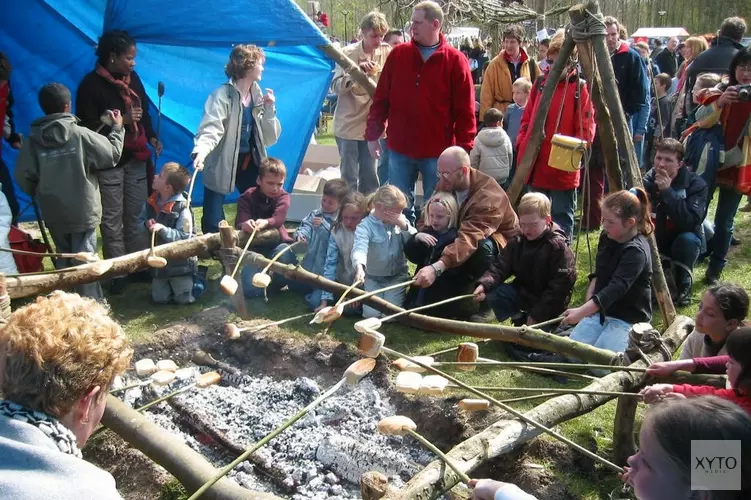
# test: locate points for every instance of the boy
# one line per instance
(658, 115)
(58, 165)
(542, 264)
(513, 119)
(262, 207)
(315, 231)
(492, 152)
(167, 214)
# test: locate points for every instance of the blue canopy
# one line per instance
(183, 43)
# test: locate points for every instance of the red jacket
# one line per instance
(544, 176)
(690, 391)
(429, 105)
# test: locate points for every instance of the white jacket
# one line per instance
(493, 153)
(7, 263)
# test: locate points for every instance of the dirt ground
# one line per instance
(273, 352)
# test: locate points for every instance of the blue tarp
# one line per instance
(183, 43)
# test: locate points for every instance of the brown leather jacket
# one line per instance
(486, 213)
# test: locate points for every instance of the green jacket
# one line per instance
(58, 165)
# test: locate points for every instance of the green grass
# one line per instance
(140, 318)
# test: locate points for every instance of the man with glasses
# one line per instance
(486, 222)
(426, 94)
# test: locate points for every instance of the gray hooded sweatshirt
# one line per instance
(58, 165)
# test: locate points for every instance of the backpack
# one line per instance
(21, 240)
(704, 152)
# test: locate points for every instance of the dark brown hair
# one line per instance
(354, 200)
(492, 116)
(632, 203)
(514, 31)
(738, 346)
(733, 28)
(242, 59)
(664, 80)
(336, 188)
(670, 145)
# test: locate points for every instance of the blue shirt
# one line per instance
(426, 52)
(246, 129)
(512, 121)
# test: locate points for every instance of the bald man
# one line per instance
(486, 219)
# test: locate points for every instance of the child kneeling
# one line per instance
(167, 214)
(620, 291)
(378, 251)
(542, 265)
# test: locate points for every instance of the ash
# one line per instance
(322, 455)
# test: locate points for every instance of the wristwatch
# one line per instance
(437, 270)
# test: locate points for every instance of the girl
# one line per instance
(738, 369)
(378, 251)
(619, 294)
(239, 122)
(426, 247)
(664, 461)
(338, 265)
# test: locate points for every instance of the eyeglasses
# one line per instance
(445, 175)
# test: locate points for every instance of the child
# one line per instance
(167, 214)
(338, 265)
(58, 166)
(665, 461)
(660, 114)
(738, 368)
(262, 207)
(378, 253)
(620, 293)
(426, 247)
(520, 90)
(542, 265)
(315, 230)
(492, 153)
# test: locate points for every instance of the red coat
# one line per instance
(429, 105)
(544, 176)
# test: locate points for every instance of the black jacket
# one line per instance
(624, 279)
(716, 59)
(544, 272)
(667, 62)
(679, 209)
(631, 77)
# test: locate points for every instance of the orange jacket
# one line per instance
(496, 89)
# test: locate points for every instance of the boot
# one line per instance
(484, 315)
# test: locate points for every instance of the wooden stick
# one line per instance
(278, 255)
(190, 199)
(550, 371)
(510, 410)
(528, 398)
(464, 478)
(521, 364)
(427, 306)
(551, 390)
(244, 251)
(376, 292)
(131, 386)
(78, 256)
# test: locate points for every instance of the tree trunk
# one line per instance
(188, 466)
(227, 235)
(349, 67)
(508, 434)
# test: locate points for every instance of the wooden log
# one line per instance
(623, 429)
(349, 67)
(507, 434)
(229, 241)
(537, 133)
(204, 245)
(526, 336)
(188, 466)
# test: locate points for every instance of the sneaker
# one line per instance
(118, 285)
(683, 299)
(712, 277)
(745, 208)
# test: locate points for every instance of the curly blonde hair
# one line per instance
(54, 350)
(242, 59)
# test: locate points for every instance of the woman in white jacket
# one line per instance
(239, 122)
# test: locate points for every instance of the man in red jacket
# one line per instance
(426, 94)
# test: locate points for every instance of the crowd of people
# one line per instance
(94, 169)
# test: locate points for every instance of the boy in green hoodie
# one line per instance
(57, 165)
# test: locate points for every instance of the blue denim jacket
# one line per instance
(337, 268)
(318, 240)
(380, 247)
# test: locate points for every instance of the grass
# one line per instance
(140, 318)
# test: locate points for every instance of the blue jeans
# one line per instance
(685, 249)
(213, 211)
(395, 296)
(383, 164)
(403, 172)
(504, 300)
(277, 281)
(562, 208)
(613, 335)
(357, 166)
(727, 207)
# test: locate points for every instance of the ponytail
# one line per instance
(632, 203)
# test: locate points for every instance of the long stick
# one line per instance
(42, 254)
(528, 398)
(338, 302)
(245, 250)
(439, 454)
(507, 408)
(278, 255)
(275, 323)
(551, 390)
(427, 306)
(166, 397)
(376, 292)
(131, 386)
(255, 447)
(521, 364)
(551, 371)
(190, 199)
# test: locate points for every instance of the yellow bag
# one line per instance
(566, 152)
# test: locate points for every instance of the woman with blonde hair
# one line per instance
(58, 358)
(680, 118)
(239, 122)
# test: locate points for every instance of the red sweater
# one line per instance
(429, 105)
(544, 176)
(744, 401)
(712, 364)
(253, 204)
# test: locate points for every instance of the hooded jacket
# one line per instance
(429, 105)
(631, 77)
(493, 153)
(544, 272)
(716, 59)
(577, 120)
(497, 83)
(58, 165)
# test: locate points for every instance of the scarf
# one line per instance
(51, 427)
